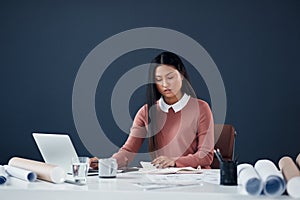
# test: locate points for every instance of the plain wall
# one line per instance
(255, 45)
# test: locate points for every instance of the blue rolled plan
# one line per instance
(274, 184)
(249, 178)
(22, 174)
(3, 175)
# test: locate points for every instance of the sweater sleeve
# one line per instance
(205, 135)
(134, 141)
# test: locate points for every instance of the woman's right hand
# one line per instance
(94, 163)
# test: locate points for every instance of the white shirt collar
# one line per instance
(179, 105)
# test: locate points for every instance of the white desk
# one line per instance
(122, 188)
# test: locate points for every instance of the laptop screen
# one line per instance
(56, 149)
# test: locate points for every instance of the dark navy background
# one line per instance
(255, 45)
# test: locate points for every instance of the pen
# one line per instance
(236, 159)
(218, 154)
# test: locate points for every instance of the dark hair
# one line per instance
(166, 58)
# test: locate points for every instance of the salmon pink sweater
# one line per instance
(187, 134)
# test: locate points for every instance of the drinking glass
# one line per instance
(80, 167)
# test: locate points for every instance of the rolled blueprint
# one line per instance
(249, 179)
(298, 160)
(291, 175)
(3, 175)
(19, 173)
(274, 185)
(44, 171)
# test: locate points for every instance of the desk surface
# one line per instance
(128, 186)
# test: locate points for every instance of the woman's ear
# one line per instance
(182, 77)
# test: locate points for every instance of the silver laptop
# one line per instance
(57, 149)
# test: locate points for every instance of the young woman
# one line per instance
(179, 126)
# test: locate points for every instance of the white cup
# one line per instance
(107, 168)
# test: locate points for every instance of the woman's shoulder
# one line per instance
(203, 106)
(143, 110)
(200, 102)
(141, 115)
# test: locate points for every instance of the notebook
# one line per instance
(57, 149)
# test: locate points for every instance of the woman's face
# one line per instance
(168, 81)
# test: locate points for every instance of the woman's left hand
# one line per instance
(163, 162)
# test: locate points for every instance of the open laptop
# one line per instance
(57, 149)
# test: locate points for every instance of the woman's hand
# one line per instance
(163, 162)
(94, 162)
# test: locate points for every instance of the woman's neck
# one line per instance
(173, 99)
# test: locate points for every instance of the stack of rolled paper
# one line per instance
(30, 170)
(265, 178)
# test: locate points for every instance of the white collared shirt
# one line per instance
(179, 105)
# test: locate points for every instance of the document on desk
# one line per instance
(157, 181)
(149, 168)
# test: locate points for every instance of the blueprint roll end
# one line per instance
(254, 186)
(274, 186)
(2, 180)
(293, 186)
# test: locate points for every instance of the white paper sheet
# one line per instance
(151, 169)
(156, 181)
